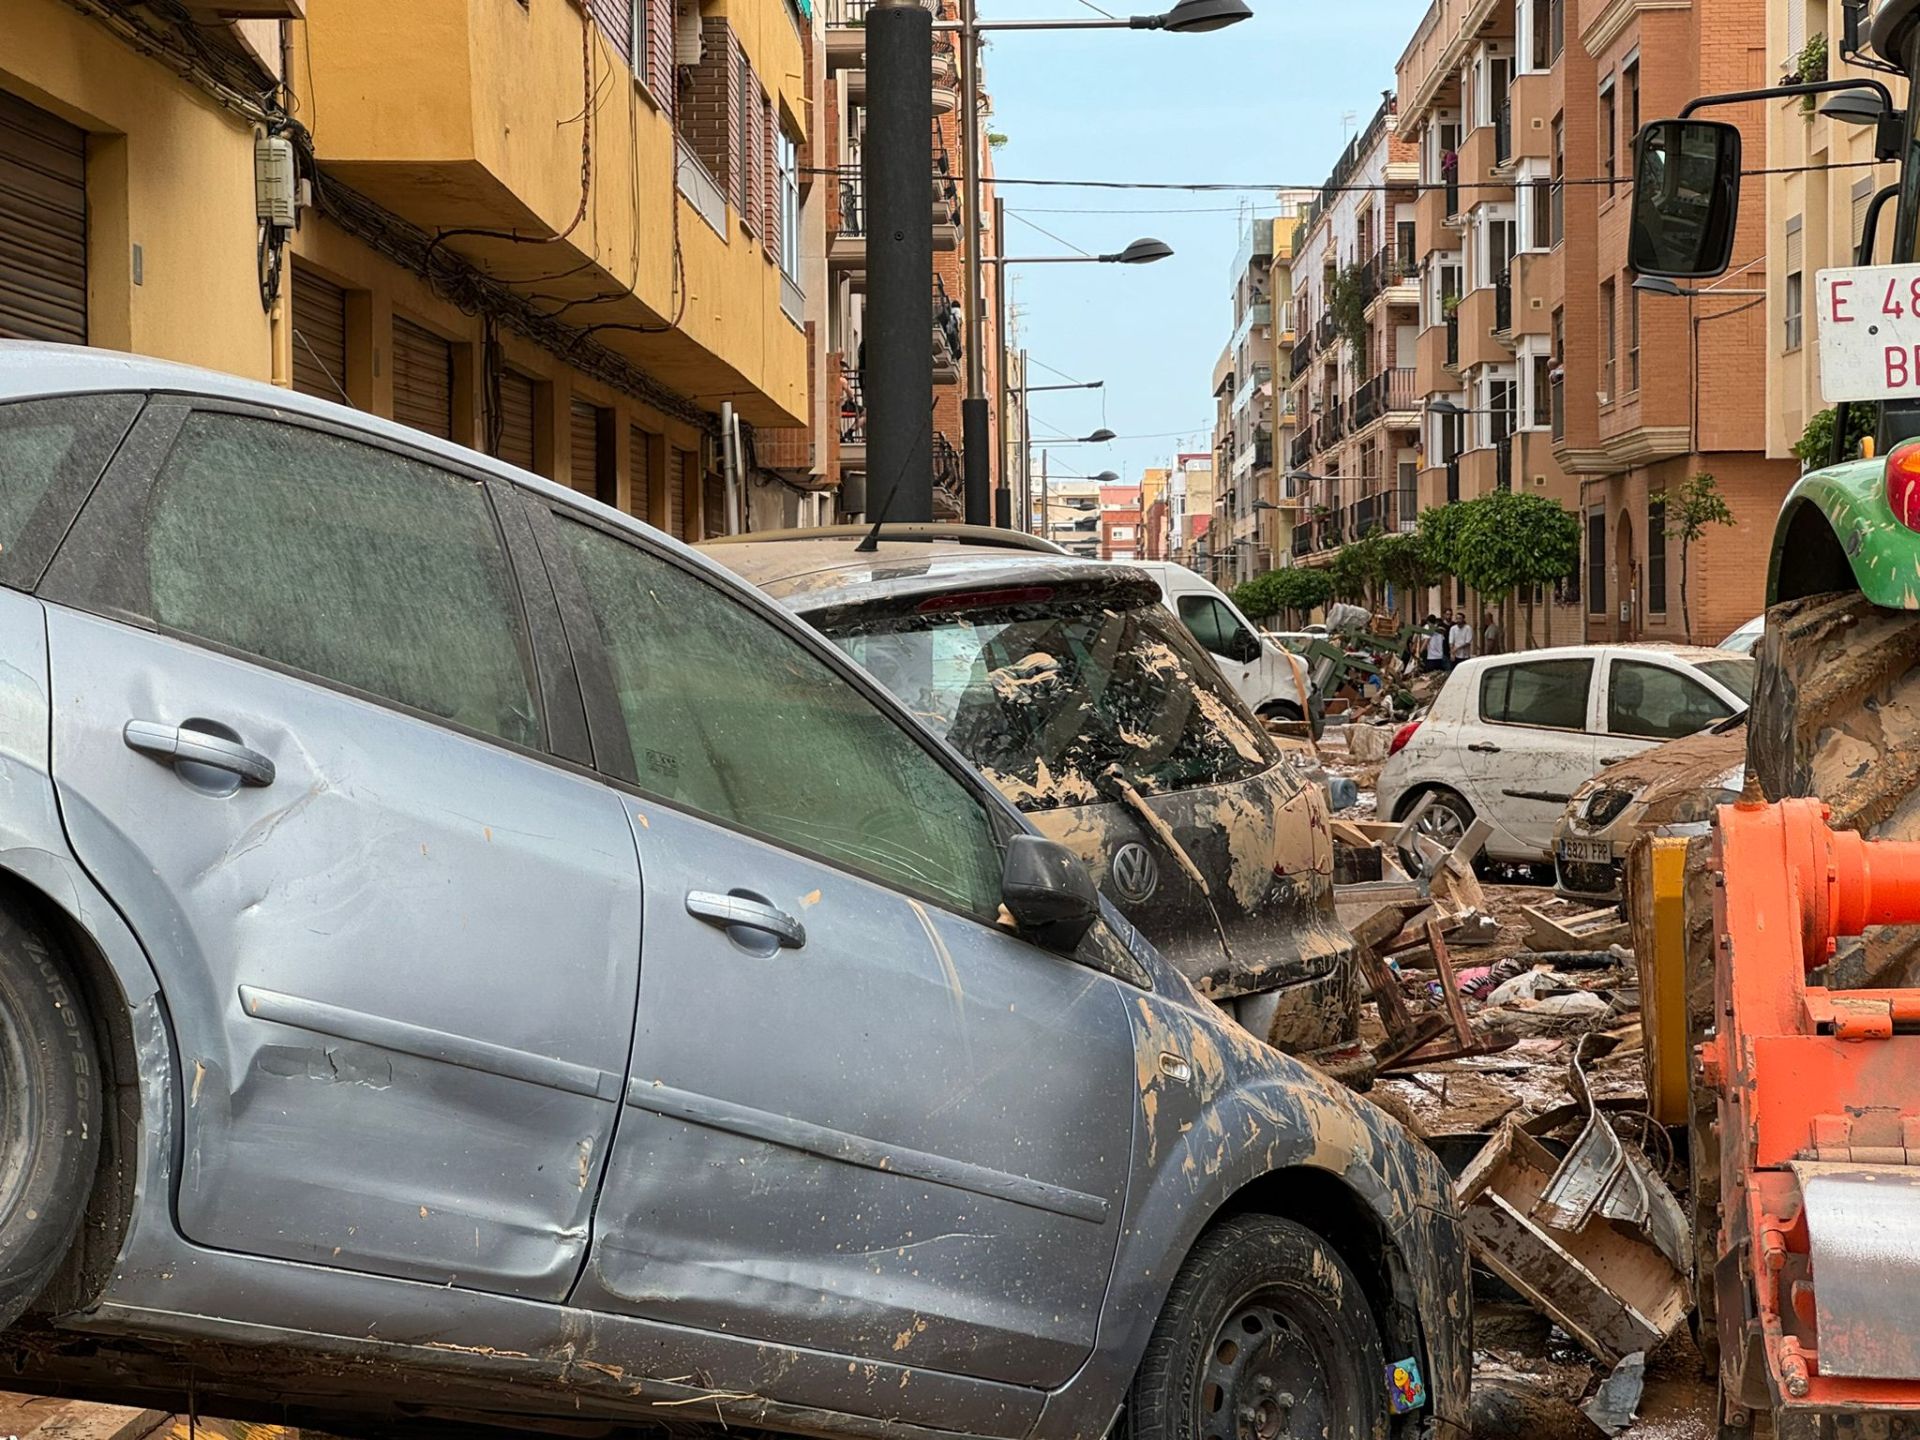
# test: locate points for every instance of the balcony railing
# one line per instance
(1503, 132)
(1302, 356)
(1453, 479)
(1301, 451)
(946, 320)
(1324, 331)
(1302, 541)
(1503, 301)
(1387, 392)
(1390, 267)
(1558, 383)
(1503, 463)
(853, 201)
(1453, 193)
(852, 14)
(949, 480)
(1453, 338)
(853, 408)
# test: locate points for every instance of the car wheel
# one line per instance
(1446, 820)
(1266, 1333)
(50, 1115)
(1281, 710)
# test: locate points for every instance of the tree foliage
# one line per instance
(1506, 540)
(1278, 592)
(1815, 445)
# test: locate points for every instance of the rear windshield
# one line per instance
(1051, 698)
(1735, 672)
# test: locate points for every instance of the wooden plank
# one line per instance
(1449, 985)
(1587, 930)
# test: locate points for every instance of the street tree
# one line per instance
(1697, 504)
(1294, 590)
(1356, 569)
(1508, 541)
(1405, 565)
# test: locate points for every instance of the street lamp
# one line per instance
(1141, 252)
(1187, 17)
(1105, 477)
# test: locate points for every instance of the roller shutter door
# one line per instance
(714, 507)
(422, 379)
(516, 419)
(677, 487)
(43, 225)
(319, 336)
(592, 474)
(640, 471)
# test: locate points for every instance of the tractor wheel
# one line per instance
(1836, 714)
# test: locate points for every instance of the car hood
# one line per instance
(1678, 783)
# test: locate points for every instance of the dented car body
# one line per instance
(443, 1075)
(1091, 707)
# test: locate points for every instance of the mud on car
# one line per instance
(1088, 704)
(466, 960)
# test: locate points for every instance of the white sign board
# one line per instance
(1868, 321)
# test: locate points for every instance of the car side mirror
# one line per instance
(1049, 893)
(1686, 199)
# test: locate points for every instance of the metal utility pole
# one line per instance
(1002, 495)
(897, 174)
(975, 442)
(1026, 454)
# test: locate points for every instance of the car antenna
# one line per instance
(872, 541)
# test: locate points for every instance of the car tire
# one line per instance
(1455, 819)
(1265, 1332)
(50, 1114)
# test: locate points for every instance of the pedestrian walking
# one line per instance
(1436, 651)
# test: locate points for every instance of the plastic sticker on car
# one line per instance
(1405, 1387)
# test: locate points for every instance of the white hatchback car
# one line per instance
(1511, 737)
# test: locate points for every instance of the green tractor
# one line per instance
(1836, 709)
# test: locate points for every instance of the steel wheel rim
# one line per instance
(1442, 825)
(1269, 1373)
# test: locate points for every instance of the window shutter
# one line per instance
(615, 19)
(774, 200)
(1796, 246)
(660, 51)
(1796, 29)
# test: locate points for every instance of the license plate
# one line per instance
(1586, 852)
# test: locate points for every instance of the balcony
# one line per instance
(1453, 339)
(1503, 132)
(1453, 479)
(1256, 315)
(848, 249)
(852, 421)
(1480, 339)
(1324, 331)
(1391, 392)
(1503, 463)
(1532, 101)
(1257, 387)
(1302, 541)
(1301, 358)
(947, 348)
(1301, 451)
(1394, 275)
(949, 480)
(1503, 302)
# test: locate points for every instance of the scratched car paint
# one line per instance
(1099, 716)
(362, 979)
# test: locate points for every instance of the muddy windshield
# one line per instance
(1052, 697)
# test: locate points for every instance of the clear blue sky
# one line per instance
(1261, 101)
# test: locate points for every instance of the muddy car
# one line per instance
(466, 960)
(1090, 706)
(1680, 783)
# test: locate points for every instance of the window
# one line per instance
(640, 41)
(713, 696)
(787, 166)
(1557, 195)
(1633, 339)
(1556, 29)
(1213, 626)
(44, 442)
(1609, 340)
(1609, 134)
(344, 562)
(1656, 703)
(1550, 694)
(1630, 85)
(1542, 368)
(1557, 374)
(1793, 302)
(1596, 562)
(1657, 553)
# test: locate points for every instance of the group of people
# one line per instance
(1449, 638)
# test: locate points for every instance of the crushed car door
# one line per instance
(299, 742)
(862, 1119)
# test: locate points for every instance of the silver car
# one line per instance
(464, 959)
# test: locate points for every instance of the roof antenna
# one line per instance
(872, 542)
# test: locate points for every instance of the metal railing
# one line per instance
(852, 14)
(1389, 391)
(1323, 331)
(1503, 463)
(1301, 451)
(1302, 356)
(1453, 337)
(1453, 479)
(853, 201)
(1390, 267)
(946, 319)
(948, 477)
(1302, 540)
(1503, 301)
(853, 407)
(1503, 132)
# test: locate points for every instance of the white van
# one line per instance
(1271, 679)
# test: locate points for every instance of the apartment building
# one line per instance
(1540, 366)
(1155, 511)
(1190, 508)
(1815, 216)
(1246, 467)
(1274, 521)
(1067, 511)
(1120, 522)
(493, 263)
(1654, 389)
(1354, 454)
(846, 224)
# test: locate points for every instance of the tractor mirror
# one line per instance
(1686, 199)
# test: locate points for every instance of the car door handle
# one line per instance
(746, 913)
(171, 743)
(1483, 748)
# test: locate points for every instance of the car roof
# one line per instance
(814, 574)
(1689, 654)
(31, 368)
(988, 536)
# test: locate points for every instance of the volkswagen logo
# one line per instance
(1136, 874)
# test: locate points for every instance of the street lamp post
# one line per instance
(1187, 17)
(1140, 252)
